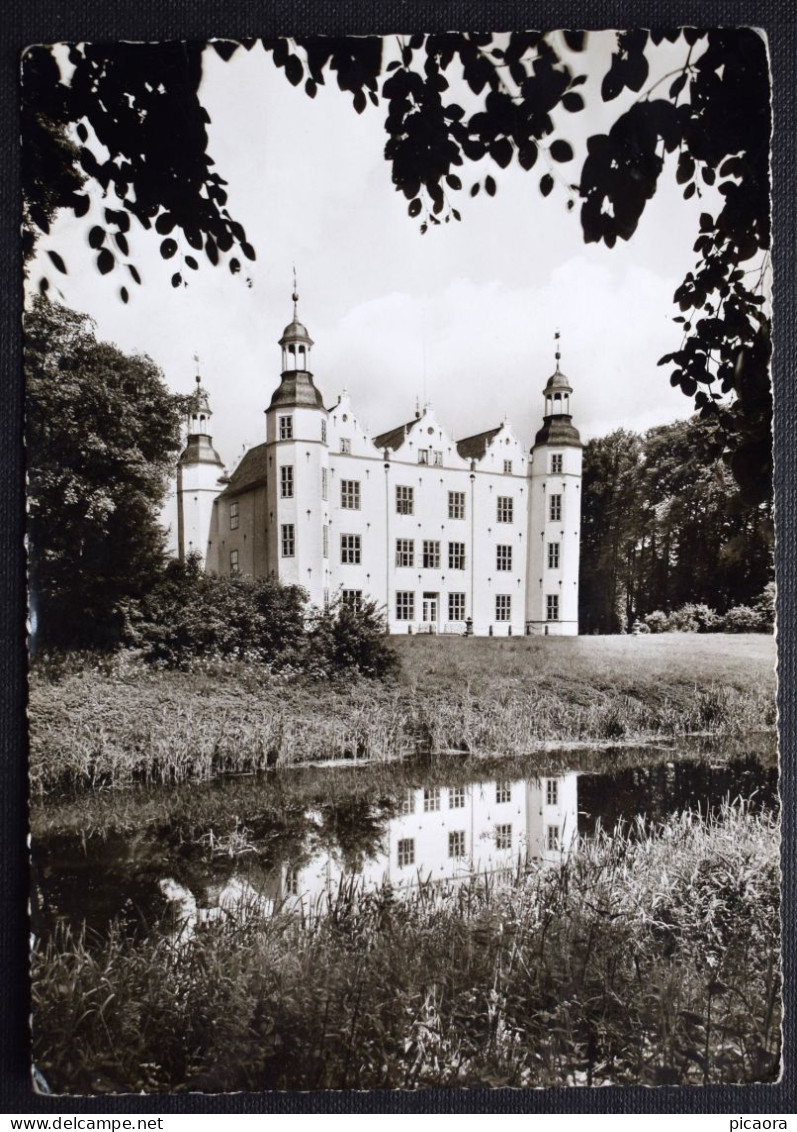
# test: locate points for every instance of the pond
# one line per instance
(173, 859)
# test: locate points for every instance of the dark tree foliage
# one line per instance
(102, 434)
(664, 525)
(711, 114)
(189, 616)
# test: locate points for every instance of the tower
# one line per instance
(554, 502)
(297, 468)
(199, 471)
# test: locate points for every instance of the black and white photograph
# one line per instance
(401, 562)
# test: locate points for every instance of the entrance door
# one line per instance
(429, 608)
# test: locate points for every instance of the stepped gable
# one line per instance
(250, 473)
(474, 447)
(396, 436)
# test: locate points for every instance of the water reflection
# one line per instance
(278, 844)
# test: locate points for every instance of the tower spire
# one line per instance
(295, 296)
(558, 352)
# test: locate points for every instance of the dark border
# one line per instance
(46, 21)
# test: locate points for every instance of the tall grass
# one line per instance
(96, 725)
(647, 957)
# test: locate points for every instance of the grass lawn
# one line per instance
(106, 724)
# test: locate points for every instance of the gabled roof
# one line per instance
(474, 447)
(251, 472)
(395, 437)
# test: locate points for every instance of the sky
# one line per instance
(463, 317)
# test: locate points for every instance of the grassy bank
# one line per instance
(113, 724)
(649, 959)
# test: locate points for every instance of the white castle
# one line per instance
(449, 536)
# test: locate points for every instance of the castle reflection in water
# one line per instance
(450, 833)
(442, 834)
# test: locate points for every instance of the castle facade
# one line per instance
(473, 535)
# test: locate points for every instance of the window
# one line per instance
(504, 509)
(350, 550)
(555, 508)
(352, 598)
(234, 517)
(423, 455)
(408, 802)
(556, 464)
(405, 501)
(405, 552)
(325, 541)
(551, 792)
(291, 881)
(350, 495)
(431, 799)
(503, 607)
(456, 798)
(345, 445)
(503, 793)
(288, 540)
(456, 843)
(553, 555)
(286, 428)
(326, 597)
(323, 432)
(552, 607)
(456, 607)
(456, 556)
(503, 837)
(552, 837)
(325, 483)
(437, 459)
(406, 852)
(405, 605)
(233, 561)
(286, 481)
(503, 558)
(431, 555)
(456, 504)
(507, 467)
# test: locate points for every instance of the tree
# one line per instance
(611, 529)
(710, 116)
(665, 527)
(102, 435)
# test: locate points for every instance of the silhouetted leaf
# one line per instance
(105, 261)
(58, 262)
(123, 293)
(546, 184)
(168, 248)
(177, 279)
(561, 150)
(96, 237)
(489, 186)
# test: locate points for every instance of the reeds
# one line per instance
(648, 957)
(93, 726)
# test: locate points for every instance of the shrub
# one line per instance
(656, 621)
(191, 615)
(765, 604)
(346, 637)
(743, 619)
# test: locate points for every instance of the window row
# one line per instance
(406, 605)
(430, 556)
(405, 848)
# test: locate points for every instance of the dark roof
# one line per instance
(199, 450)
(395, 437)
(295, 332)
(296, 388)
(558, 430)
(474, 447)
(558, 381)
(251, 472)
